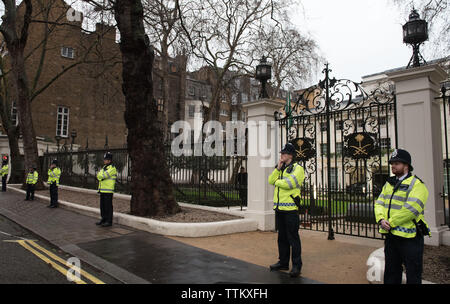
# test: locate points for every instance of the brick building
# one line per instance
(88, 97)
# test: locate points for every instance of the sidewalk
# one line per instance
(133, 256)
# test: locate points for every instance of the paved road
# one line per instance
(28, 259)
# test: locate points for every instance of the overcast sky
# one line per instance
(357, 37)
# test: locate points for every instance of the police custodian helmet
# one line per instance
(108, 155)
(288, 149)
(402, 156)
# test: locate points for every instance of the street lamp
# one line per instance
(73, 135)
(263, 73)
(415, 32)
(58, 138)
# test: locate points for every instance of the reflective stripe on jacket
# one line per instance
(5, 170)
(407, 204)
(32, 178)
(286, 184)
(107, 179)
(54, 176)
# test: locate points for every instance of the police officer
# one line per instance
(287, 178)
(32, 178)
(54, 174)
(4, 171)
(107, 180)
(399, 210)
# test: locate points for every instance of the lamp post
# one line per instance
(415, 32)
(263, 74)
(57, 138)
(73, 135)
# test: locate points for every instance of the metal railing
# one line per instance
(202, 180)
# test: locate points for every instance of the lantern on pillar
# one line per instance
(263, 74)
(415, 32)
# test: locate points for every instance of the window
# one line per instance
(360, 123)
(385, 143)
(234, 116)
(14, 118)
(244, 97)
(333, 174)
(160, 105)
(192, 90)
(382, 121)
(224, 112)
(62, 122)
(191, 111)
(67, 52)
(339, 148)
(323, 149)
(338, 125)
(234, 99)
(323, 126)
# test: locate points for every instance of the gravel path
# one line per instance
(187, 215)
(436, 264)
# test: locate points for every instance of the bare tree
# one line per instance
(436, 12)
(221, 38)
(14, 29)
(162, 22)
(17, 54)
(294, 57)
(152, 188)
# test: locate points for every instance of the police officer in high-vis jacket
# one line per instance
(54, 174)
(287, 178)
(107, 180)
(399, 210)
(32, 179)
(4, 172)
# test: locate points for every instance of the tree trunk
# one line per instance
(165, 89)
(30, 149)
(16, 175)
(151, 187)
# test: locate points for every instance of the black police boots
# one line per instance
(278, 266)
(295, 272)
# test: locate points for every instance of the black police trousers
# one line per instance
(400, 251)
(53, 195)
(287, 224)
(106, 207)
(30, 192)
(4, 178)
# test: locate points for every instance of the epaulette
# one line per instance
(419, 179)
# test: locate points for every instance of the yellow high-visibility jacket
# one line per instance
(54, 176)
(5, 170)
(32, 178)
(287, 183)
(403, 206)
(107, 179)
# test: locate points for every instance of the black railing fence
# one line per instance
(350, 210)
(445, 96)
(203, 180)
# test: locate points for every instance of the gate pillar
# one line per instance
(263, 148)
(419, 132)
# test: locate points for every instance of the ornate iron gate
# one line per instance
(445, 90)
(343, 138)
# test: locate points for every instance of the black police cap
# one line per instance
(402, 156)
(288, 149)
(108, 155)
